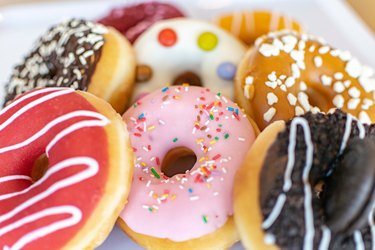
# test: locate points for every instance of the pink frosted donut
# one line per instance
(170, 203)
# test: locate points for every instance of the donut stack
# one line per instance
(134, 119)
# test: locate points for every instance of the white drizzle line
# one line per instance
(81, 113)
(291, 147)
(326, 238)
(275, 19)
(33, 104)
(101, 122)
(236, 23)
(348, 128)
(361, 129)
(76, 216)
(358, 240)
(275, 212)
(91, 170)
(372, 226)
(14, 177)
(29, 95)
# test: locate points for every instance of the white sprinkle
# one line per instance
(353, 103)
(161, 122)
(296, 73)
(269, 50)
(249, 80)
(326, 80)
(354, 92)
(297, 55)
(88, 53)
(324, 50)
(301, 45)
(364, 118)
(299, 111)
(282, 77)
(241, 139)
(272, 98)
(290, 81)
(303, 99)
(283, 88)
(367, 83)
(367, 71)
(318, 61)
(335, 52)
(216, 193)
(347, 83)
(367, 103)
(345, 56)
(269, 239)
(312, 48)
(303, 86)
(338, 76)
(272, 77)
(338, 87)
(278, 43)
(82, 60)
(269, 114)
(353, 68)
(338, 101)
(289, 43)
(246, 91)
(292, 99)
(315, 110)
(271, 84)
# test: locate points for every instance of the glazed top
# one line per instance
(289, 74)
(195, 203)
(66, 55)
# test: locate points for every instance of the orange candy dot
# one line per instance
(167, 37)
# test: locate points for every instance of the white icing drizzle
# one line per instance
(361, 129)
(359, 245)
(14, 177)
(236, 24)
(76, 216)
(275, 19)
(275, 212)
(348, 129)
(91, 170)
(326, 238)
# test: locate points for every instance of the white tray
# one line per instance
(333, 20)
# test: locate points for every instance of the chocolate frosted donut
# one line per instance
(79, 54)
(311, 186)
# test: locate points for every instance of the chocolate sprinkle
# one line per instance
(66, 55)
(288, 230)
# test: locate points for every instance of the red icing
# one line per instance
(84, 195)
(167, 37)
(133, 20)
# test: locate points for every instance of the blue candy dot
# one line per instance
(226, 71)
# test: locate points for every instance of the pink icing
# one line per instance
(194, 204)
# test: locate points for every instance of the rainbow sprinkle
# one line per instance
(155, 173)
(164, 89)
(175, 139)
(205, 219)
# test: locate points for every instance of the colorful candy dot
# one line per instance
(175, 139)
(226, 71)
(190, 190)
(167, 37)
(205, 220)
(207, 41)
(226, 136)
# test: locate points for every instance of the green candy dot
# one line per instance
(207, 41)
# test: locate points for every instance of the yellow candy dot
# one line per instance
(207, 41)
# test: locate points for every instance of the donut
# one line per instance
(133, 20)
(82, 55)
(188, 144)
(287, 74)
(249, 25)
(66, 170)
(184, 50)
(308, 183)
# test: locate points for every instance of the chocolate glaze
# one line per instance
(288, 230)
(66, 55)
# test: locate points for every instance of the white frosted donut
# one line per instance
(171, 48)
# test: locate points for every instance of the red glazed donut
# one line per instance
(75, 203)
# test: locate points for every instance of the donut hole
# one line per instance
(178, 161)
(39, 168)
(319, 97)
(188, 77)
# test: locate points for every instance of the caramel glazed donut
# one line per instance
(82, 55)
(287, 74)
(309, 184)
(66, 170)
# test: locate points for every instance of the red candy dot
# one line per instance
(167, 37)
